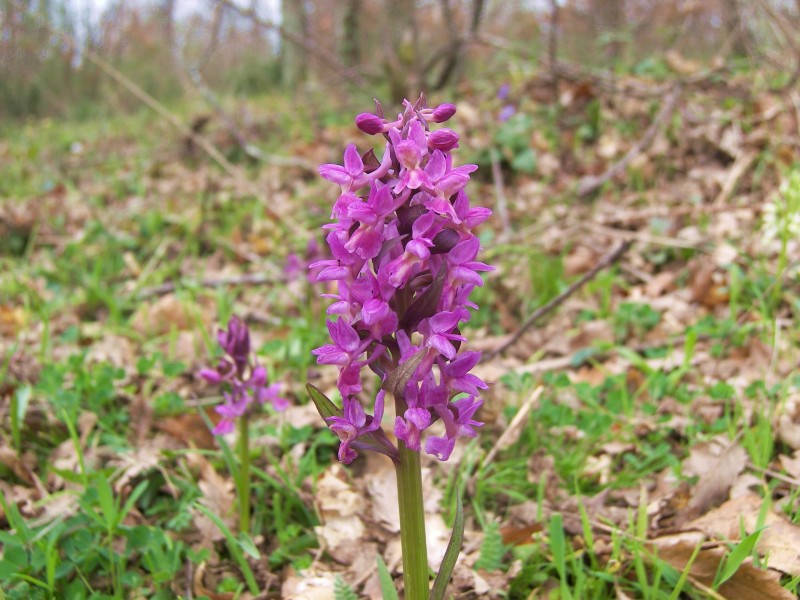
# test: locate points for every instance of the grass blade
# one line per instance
(451, 554)
(387, 585)
(234, 546)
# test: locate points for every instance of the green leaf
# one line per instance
(492, 549)
(249, 546)
(234, 546)
(134, 496)
(342, 591)
(737, 556)
(105, 498)
(558, 546)
(524, 161)
(325, 407)
(387, 585)
(450, 555)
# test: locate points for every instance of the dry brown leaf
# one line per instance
(779, 542)
(705, 288)
(190, 429)
(660, 283)
(114, 349)
(12, 460)
(311, 584)
(218, 497)
(680, 64)
(161, 316)
(748, 583)
(200, 589)
(580, 260)
(791, 464)
(12, 320)
(789, 422)
(718, 464)
(340, 508)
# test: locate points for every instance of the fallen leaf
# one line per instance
(191, 429)
(218, 497)
(779, 542)
(340, 508)
(748, 583)
(166, 313)
(717, 463)
(12, 320)
(311, 584)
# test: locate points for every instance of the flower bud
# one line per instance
(443, 112)
(443, 139)
(369, 123)
(210, 375)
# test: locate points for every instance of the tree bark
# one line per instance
(732, 15)
(610, 15)
(293, 56)
(350, 46)
(402, 58)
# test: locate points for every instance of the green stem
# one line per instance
(243, 483)
(412, 524)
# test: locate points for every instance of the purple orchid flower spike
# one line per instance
(403, 263)
(246, 381)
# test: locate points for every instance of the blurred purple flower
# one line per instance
(246, 381)
(508, 111)
(502, 91)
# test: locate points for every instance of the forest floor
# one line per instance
(641, 436)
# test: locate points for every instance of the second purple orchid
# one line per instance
(404, 265)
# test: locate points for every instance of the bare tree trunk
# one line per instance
(402, 58)
(293, 56)
(454, 59)
(610, 15)
(351, 32)
(732, 15)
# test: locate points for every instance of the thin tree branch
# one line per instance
(247, 279)
(592, 183)
(605, 262)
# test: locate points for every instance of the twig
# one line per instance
(590, 184)
(247, 279)
(670, 211)
(510, 434)
(500, 195)
(574, 361)
(640, 236)
(739, 168)
(230, 124)
(552, 45)
(605, 262)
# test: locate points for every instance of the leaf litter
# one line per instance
(694, 214)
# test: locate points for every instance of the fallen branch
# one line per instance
(590, 184)
(605, 262)
(248, 279)
(500, 196)
(510, 434)
(644, 237)
(740, 166)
